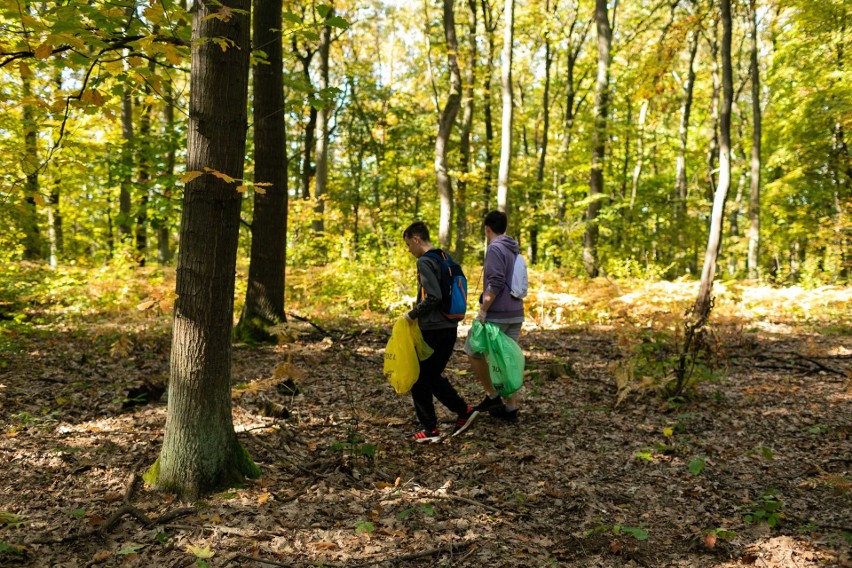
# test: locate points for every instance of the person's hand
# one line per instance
(407, 317)
(480, 317)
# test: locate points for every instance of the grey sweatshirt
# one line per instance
(499, 265)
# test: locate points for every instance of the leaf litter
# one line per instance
(578, 481)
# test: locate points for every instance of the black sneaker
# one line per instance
(510, 416)
(427, 437)
(490, 404)
(465, 420)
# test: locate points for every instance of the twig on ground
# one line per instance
(312, 324)
(825, 368)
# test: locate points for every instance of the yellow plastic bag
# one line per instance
(404, 351)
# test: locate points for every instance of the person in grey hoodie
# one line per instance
(439, 333)
(497, 306)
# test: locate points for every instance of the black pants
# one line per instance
(432, 382)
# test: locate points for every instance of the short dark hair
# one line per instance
(417, 229)
(497, 222)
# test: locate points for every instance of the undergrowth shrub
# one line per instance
(653, 361)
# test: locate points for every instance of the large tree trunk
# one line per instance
(596, 179)
(714, 241)
(323, 113)
(506, 121)
(754, 196)
(465, 131)
(200, 448)
(445, 126)
(29, 214)
(264, 305)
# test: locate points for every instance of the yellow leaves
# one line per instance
(43, 51)
(263, 498)
(668, 431)
(224, 177)
(200, 552)
(224, 14)
(92, 96)
(189, 176)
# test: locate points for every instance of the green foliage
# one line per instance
(364, 527)
(696, 465)
(767, 509)
(617, 529)
(356, 447)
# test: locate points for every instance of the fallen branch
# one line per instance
(312, 324)
(825, 368)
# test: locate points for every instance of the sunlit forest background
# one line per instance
(95, 108)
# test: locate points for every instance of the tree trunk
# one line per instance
(596, 178)
(683, 132)
(571, 109)
(323, 113)
(123, 221)
(30, 164)
(714, 241)
(640, 151)
(465, 131)
(307, 169)
(200, 449)
(144, 173)
(445, 126)
(264, 305)
(506, 121)
(164, 252)
(490, 25)
(754, 196)
(713, 147)
(542, 157)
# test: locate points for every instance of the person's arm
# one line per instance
(431, 287)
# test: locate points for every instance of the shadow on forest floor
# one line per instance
(577, 482)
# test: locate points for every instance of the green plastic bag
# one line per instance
(505, 358)
(404, 351)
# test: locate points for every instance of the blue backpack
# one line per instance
(453, 285)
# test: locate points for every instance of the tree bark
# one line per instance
(489, 23)
(714, 241)
(30, 164)
(506, 120)
(200, 449)
(445, 127)
(713, 147)
(754, 196)
(144, 173)
(323, 113)
(596, 178)
(640, 151)
(123, 221)
(465, 131)
(680, 197)
(264, 304)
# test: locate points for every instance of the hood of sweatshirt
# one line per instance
(507, 243)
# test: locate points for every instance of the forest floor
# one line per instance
(579, 481)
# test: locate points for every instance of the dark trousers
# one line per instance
(432, 382)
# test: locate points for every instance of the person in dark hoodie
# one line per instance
(440, 334)
(499, 307)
